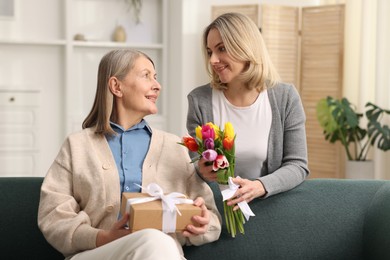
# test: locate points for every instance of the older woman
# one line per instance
(81, 193)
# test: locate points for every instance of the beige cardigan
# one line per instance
(81, 194)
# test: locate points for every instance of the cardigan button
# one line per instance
(110, 209)
(106, 166)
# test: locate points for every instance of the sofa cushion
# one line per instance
(319, 219)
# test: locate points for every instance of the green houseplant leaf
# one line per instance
(341, 122)
(325, 117)
(380, 135)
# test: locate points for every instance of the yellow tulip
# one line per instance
(198, 132)
(229, 131)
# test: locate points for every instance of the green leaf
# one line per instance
(378, 133)
(325, 117)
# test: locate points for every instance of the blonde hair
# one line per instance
(243, 42)
(116, 63)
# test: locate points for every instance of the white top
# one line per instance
(252, 125)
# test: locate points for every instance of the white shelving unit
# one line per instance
(40, 58)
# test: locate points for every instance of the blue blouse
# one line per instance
(129, 148)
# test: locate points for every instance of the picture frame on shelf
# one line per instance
(7, 9)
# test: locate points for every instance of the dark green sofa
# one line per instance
(320, 219)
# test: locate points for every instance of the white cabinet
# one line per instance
(19, 132)
(40, 58)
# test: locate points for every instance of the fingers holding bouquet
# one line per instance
(206, 170)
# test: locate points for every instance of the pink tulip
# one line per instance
(209, 143)
(207, 132)
(220, 163)
(209, 155)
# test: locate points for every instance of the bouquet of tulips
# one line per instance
(217, 147)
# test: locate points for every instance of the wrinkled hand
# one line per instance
(203, 220)
(118, 230)
(206, 171)
(248, 191)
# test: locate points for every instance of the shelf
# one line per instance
(107, 44)
(33, 42)
(8, 88)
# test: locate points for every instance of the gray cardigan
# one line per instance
(286, 164)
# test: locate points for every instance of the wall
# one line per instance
(382, 78)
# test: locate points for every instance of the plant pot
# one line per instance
(359, 170)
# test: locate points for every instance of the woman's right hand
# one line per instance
(206, 171)
(118, 230)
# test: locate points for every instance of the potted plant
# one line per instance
(341, 122)
(136, 6)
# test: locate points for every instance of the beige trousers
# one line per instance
(147, 244)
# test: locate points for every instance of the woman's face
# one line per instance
(141, 89)
(221, 62)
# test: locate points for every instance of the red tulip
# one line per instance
(190, 143)
(228, 143)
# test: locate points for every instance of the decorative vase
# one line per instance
(359, 170)
(119, 34)
(79, 37)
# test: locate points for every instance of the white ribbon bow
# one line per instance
(243, 205)
(169, 202)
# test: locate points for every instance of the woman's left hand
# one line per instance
(203, 220)
(248, 191)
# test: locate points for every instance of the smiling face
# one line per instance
(141, 88)
(221, 62)
(137, 94)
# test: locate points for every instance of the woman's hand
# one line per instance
(248, 191)
(206, 171)
(203, 220)
(118, 230)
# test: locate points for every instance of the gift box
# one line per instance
(150, 214)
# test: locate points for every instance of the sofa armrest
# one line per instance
(377, 226)
(20, 236)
